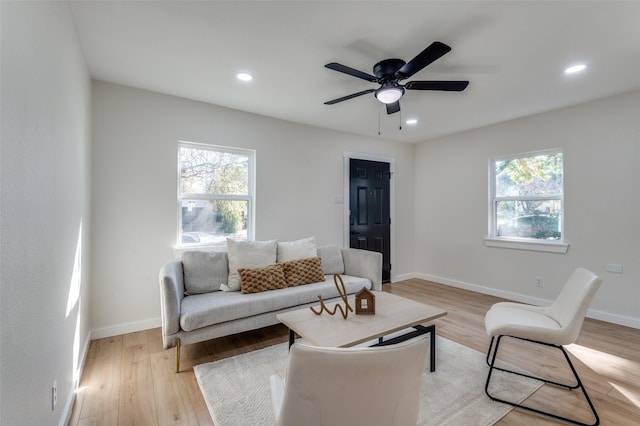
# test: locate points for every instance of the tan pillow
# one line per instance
(303, 271)
(255, 280)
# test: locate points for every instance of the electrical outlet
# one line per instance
(54, 395)
(539, 281)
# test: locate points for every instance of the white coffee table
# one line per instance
(393, 313)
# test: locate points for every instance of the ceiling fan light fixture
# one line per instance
(389, 93)
(575, 69)
(243, 76)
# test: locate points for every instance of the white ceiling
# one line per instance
(512, 52)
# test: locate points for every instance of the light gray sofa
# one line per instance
(190, 318)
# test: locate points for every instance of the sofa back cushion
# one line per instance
(299, 249)
(332, 262)
(204, 271)
(248, 254)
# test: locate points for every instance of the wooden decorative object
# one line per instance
(365, 302)
(343, 295)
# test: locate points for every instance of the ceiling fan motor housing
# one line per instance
(386, 70)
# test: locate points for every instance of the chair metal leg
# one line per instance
(563, 385)
(493, 338)
(566, 386)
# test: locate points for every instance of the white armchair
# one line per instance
(351, 386)
(554, 326)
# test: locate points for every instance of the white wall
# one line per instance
(135, 135)
(601, 142)
(45, 179)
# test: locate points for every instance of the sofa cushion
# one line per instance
(303, 271)
(332, 262)
(248, 254)
(202, 310)
(255, 280)
(204, 271)
(299, 249)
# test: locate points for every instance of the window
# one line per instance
(215, 194)
(527, 197)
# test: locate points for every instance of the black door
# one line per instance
(369, 207)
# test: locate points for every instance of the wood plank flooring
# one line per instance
(129, 379)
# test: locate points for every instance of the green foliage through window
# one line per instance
(527, 196)
(215, 193)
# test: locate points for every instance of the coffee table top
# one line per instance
(393, 313)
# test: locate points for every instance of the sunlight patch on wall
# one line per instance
(76, 275)
(76, 351)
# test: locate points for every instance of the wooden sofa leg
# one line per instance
(177, 355)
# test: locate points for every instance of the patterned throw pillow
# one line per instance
(303, 271)
(255, 280)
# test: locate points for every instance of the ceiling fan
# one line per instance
(389, 72)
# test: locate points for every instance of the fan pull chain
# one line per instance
(400, 117)
(378, 121)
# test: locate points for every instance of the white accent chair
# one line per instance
(351, 386)
(554, 326)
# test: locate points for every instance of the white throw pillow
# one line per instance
(294, 250)
(248, 254)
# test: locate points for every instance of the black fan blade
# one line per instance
(435, 51)
(393, 108)
(449, 86)
(351, 71)
(346, 98)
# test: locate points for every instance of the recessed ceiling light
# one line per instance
(575, 68)
(243, 76)
(412, 121)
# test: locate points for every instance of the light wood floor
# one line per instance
(129, 379)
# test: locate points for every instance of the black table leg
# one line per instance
(433, 348)
(292, 337)
(419, 330)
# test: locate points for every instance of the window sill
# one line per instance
(543, 246)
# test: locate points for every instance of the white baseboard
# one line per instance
(485, 290)
(591, 313)
(402, 277)
(614, 319)
(131, 327)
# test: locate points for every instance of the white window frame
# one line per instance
(249, 198)
(493, 240)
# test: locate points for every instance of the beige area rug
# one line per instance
(238, 393)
